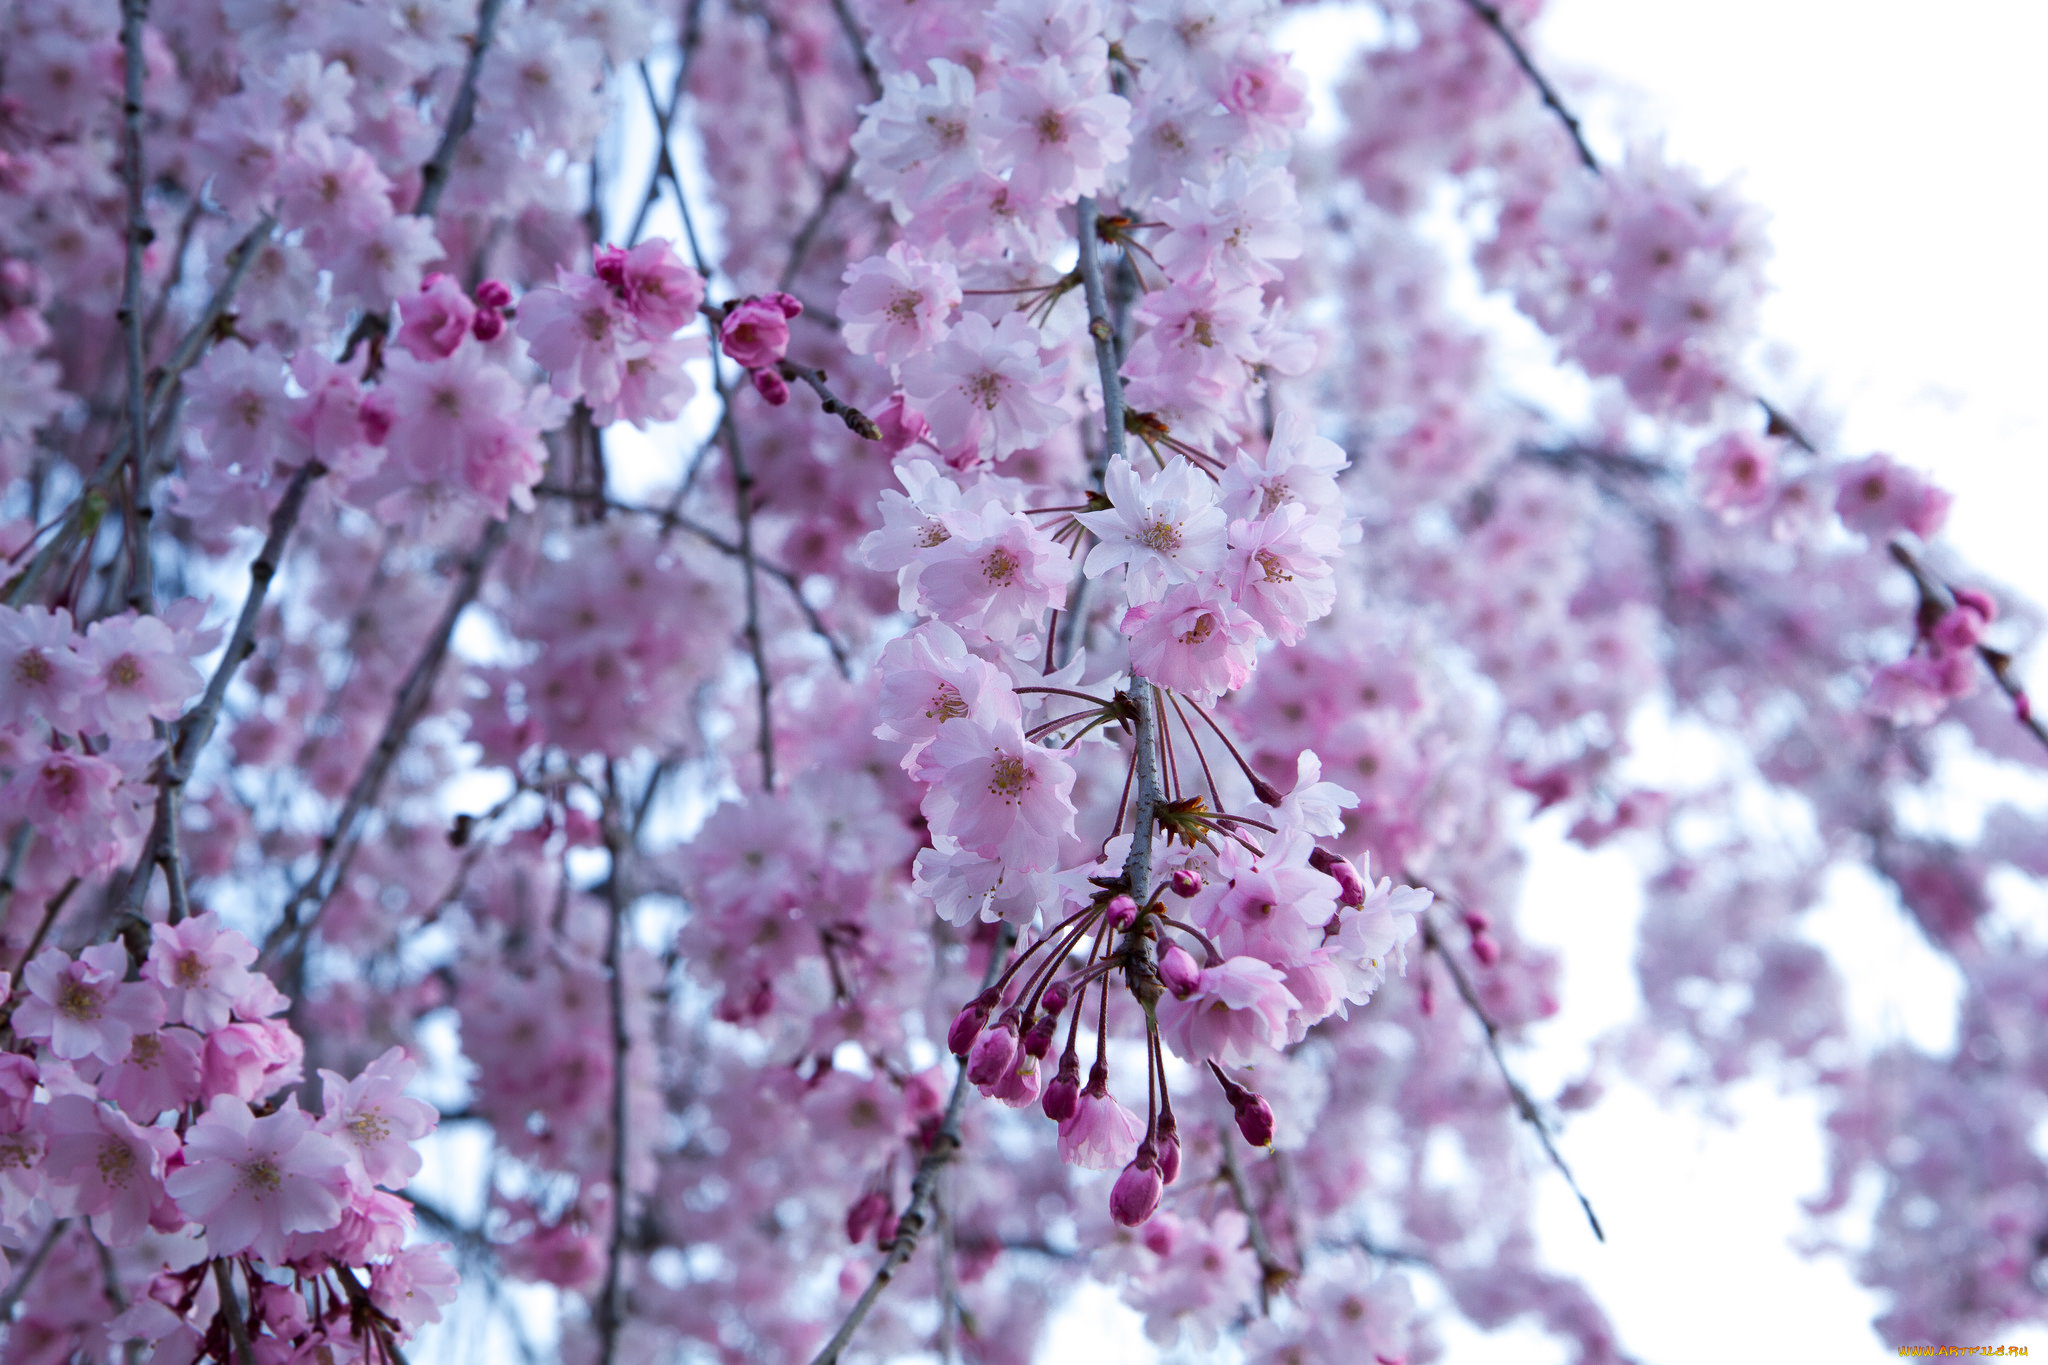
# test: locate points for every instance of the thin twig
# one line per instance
(231, 1310)
(26, 1275)
(190, 735)
(800, 247)
(923, 1185)
(141, 585)
(91, 499)
(857, 422)
(1938, 597)
(1490, 15)
(461, 114)
(1524, 1105)
(1273, 1272)
(611, 1303)
(337, 849)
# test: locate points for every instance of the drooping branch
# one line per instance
(1490, 15)
(611, 1301)
(337, 848)
(1524, 1104)
(461, 114)
(134, 177)
(857, 422)
(1937, 597)
(189, 736)
(923, 1184)
(671, 519)
(91, 501)
(1273, 1272)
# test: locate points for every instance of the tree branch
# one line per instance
(1939, 597)
(923, 1184)
(1490, 15)
(611, 1303)
(1273, 1272)
(461, 114)
(337, 849)
(1524, 1105)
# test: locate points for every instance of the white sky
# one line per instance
(1899, 150)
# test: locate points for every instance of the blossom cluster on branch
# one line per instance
(932, 685)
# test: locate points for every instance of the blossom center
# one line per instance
(1204, 627)
(999, 566)
(32, 669)
(934, 533)
(903, 307)
(1051, 127)
(1161, 535)
(80, 1001)
(117, 1164)
(947, 704)
(1271, 494)
(261, 1173)
(369, 1127)
(986, 389)
(190, 972)
(1008, 776)
(125, 671)
(1275, 572)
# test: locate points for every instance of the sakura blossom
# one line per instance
(803, 671)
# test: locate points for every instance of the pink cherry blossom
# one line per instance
(84, 1008)
(252, 1181)
(1193, 640)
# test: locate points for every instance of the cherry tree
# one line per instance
(903, 653)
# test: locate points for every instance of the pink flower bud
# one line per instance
(902, 426)
(786, 302)
(1186, 882)
(1179, 971)
(993, 1053)
(771, 387)
(492, 294)
(1055, 998)
(1169, 1148)
(487, 325)
(755, 334)
(1350, 886)
(1038, 1038)
(1123, 912)
(967, 1026)
(1477, 922)
(868, 1210)
(1255, 1120)
(1136, 1194)
(885, 1231)
(1063, 1096)
(1486, 950)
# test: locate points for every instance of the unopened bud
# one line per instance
(493, 294)
(1485, 949)
(1477, 922)
(967, 1026)
(1038, 1038)
(868, 1210)
(1063, 1096)
(774, 390)
(993, 1053)
(1350, 886)
(1136, 1194)
(1123, 912)
(885, 1231)
(1186, 882)
(1179, 971)
(1055, 998)
(1255, 1120)
(487, 325)
(786, 302)
(1169, 1148)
